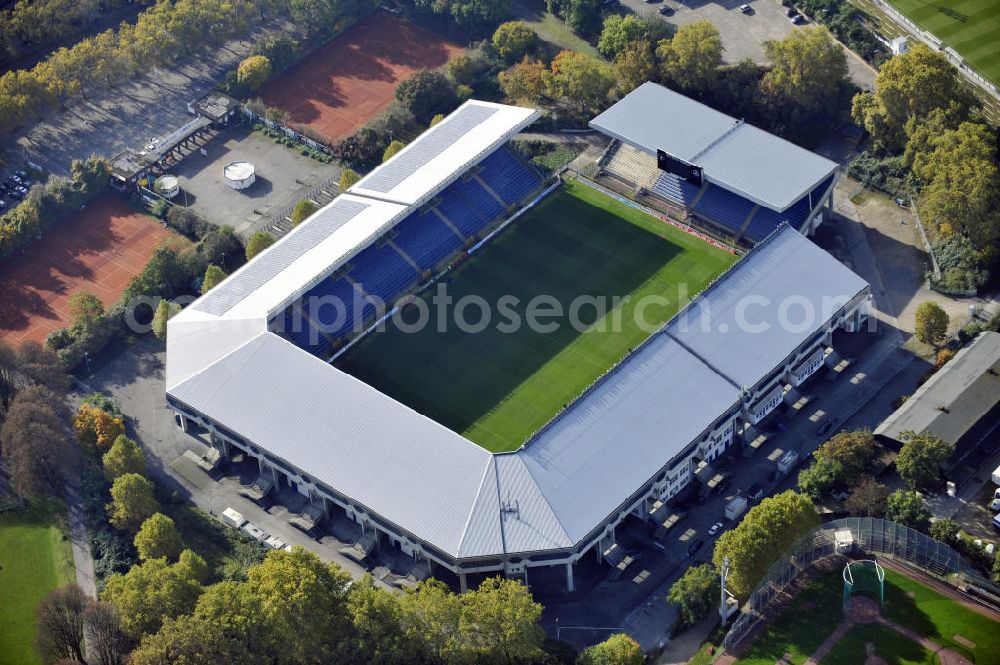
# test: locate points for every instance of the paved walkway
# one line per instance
(79, 540)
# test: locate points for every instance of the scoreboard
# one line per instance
(670, 164)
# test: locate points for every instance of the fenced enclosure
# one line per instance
(865, 576)
(869, 535)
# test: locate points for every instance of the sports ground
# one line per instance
(343, 84)
(498, 387)
(917, 625)
(971, 27)
(98, 250)
(34, 559)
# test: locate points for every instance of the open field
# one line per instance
(99, 250)
(343, 84)
(813, 615)
(34, 558)
(498, 387)
(971, 27)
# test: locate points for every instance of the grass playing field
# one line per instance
(495, 387)
(34, 558)
(971, 27)
(812, 615)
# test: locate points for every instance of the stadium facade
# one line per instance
(753, 181)
(248, 362)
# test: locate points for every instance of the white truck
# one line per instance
(233, 518)
(788, 462)
(736, 507)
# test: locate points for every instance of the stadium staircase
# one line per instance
(730, 211)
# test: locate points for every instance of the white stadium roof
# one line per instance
(425, 479)
(738, 157)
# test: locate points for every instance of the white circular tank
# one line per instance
(239, 175)
(166, 186)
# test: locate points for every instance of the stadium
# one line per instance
(501, 451)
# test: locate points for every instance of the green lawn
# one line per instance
(815, 612)
(497, 387)
(885, 643)
(971, 27)
(34, 558)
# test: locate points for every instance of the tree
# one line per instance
(695, 593)
(392, 149)
(945, 530)
(213, 277)
(868, 498)
(476, 16)
(581, 79)
(158, 537)
(431, 616)
(619, 649)
(379, 636)
(514, 40)
(29, 365)
(85, 308)
(582, 16)
(106, 643)
(59, 617)
(524, 81)
(906, 507)
(96, 429)
(253, 72)
(690, 59)
(347, 179)
(435, 120)
(257, 243)
(132, 501)
(765, 532)
(618, 31)
(426, 93)
(153, 591)
(164, 311)
(820, 477)
(222, 247)
(304, 209)
(908, 87)
(193, 639)
(920, 459)
(635, 65)
(852, 451)
(932, 323)
(808, 71)
(34, 444)
(499, 622)
(124, 456)
(304, 601)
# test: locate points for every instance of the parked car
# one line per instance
(666, 10)
(746, 9)
(824, 427)
(715, 528)
(839, 495)
(790, 12)
(995, 505)
(694, 547)
(798, 19)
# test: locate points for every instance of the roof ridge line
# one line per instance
(519, 454)
(737, 123)
(703, 361)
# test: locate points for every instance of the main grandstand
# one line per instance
(753, 181)
(248, 362)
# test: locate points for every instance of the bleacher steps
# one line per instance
(406, 257)
(489, 190)
(697, 198)
(447, 222)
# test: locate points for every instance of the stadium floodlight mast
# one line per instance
(723, 605)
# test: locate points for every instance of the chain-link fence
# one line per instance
(868, 535)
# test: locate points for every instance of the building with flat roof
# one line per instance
(636, 436)
(959, 403)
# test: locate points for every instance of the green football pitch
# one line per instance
(971, 27)
(498, 386)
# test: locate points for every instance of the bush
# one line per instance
(887, 174)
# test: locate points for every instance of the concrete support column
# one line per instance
(463, 583)
(569, 578)
(184, 427)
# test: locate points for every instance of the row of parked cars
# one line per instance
(235, 519)
(13, 189)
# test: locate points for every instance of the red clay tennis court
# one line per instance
(343, 84)
(99, 250)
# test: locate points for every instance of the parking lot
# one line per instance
(742, 34)
(13, 189)
(283, 176)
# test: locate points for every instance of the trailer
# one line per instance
(788, 462)
(233, 518)
(736, 507)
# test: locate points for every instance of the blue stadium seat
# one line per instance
(766, 220)
(382, 272)
(507, 176)
(426, 239)
(468, 206)
(723, 207)
(676, 189)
